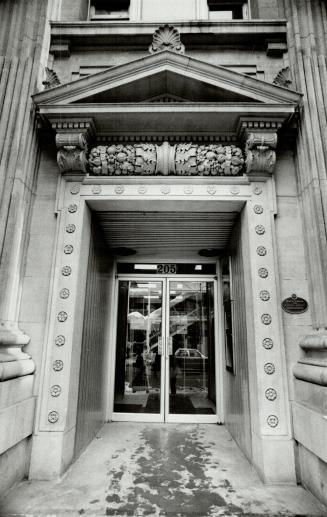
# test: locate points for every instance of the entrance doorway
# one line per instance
(165, 367)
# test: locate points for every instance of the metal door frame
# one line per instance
(164, 415)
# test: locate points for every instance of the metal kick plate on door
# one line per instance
(160, 346)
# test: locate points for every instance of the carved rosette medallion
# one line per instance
(119, 189)
(68, 249)
(263, 272)
(165, 189)
(62, 316)
(264, 296)
(184, 159)
(74, 189)
(188, 190)
(258, 209)
(272, 421)
(72, 208)
(53, 417)
(260, 229)
(211, 189)
(269, 368)
(60, 340)
(271, 394)
(55, 390)
(235, 190)
(66, 270)
(96, 189)
(266, 319)
(64, 293)
(142, 189)
(261, 251)
(57, 365)
(166, 37)
(70, 228)
(257, 191)
(267, 343)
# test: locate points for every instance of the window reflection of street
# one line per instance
(191, 347)
(191, 314)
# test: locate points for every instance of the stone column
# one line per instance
(272, 444)
(57, 405)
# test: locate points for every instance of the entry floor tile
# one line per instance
(171, 470)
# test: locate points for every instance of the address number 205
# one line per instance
(167, 269)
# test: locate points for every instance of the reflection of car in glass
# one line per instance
(191, 360)
(130, 359)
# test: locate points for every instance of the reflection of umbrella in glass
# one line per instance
(136, 320)
(135, 315)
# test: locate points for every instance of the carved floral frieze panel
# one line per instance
(185, 159)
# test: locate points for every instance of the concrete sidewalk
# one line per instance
(160, 470)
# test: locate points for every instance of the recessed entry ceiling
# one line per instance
(178, 235)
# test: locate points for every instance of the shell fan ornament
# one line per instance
(166, 37)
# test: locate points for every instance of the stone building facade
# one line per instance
(163, 130)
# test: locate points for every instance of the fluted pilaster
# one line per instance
(307, 36)
(23, 35)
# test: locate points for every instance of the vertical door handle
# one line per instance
(170, 346)
(160, 345)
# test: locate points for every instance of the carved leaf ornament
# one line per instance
(186, 159)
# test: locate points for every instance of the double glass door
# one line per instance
(165, 368)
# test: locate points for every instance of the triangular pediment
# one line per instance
(167, 75)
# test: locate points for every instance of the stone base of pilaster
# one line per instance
(52, 453)
(274, 459)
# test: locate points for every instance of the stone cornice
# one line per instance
(244, 33)
(218, 121)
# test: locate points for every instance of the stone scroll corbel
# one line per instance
(260, 145)
(73, 142)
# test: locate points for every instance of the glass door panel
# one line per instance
(139, 347)
(191, 348)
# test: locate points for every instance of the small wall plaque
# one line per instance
(295, 305)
